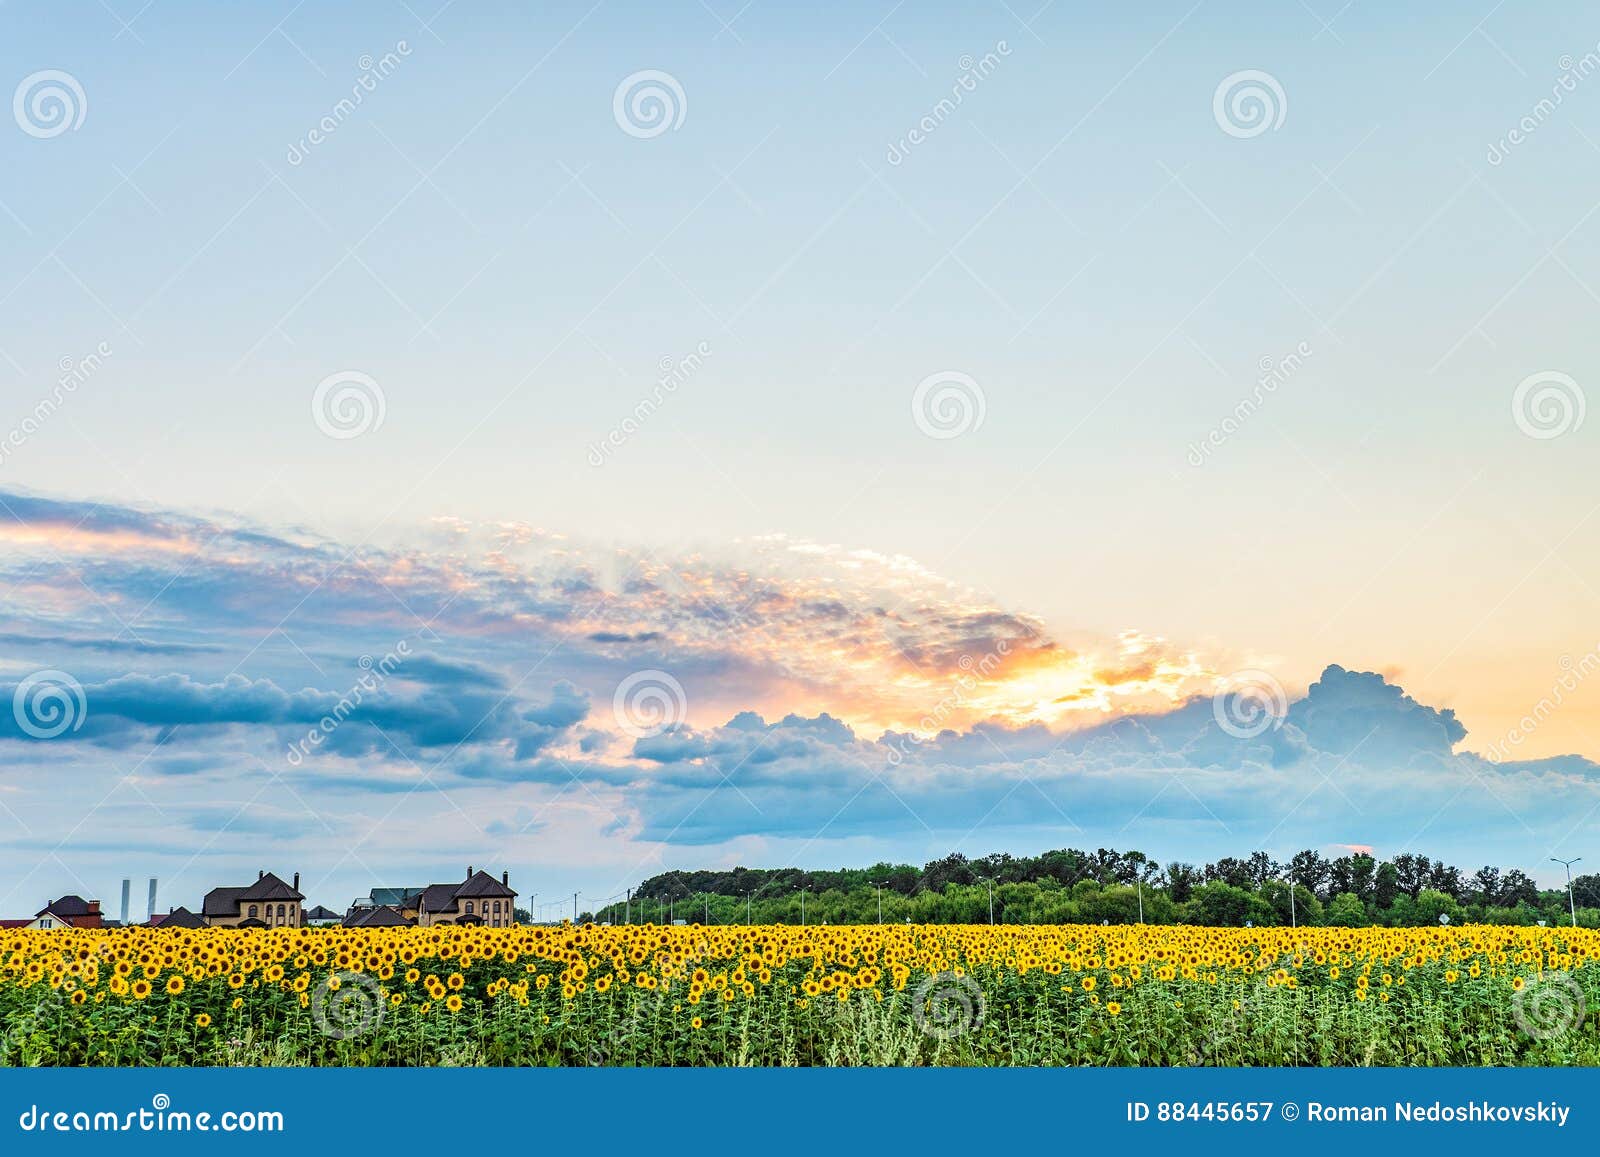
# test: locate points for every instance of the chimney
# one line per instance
(262, 874)
(127, 886)
(505, 879)
(297, 881)
(469, 871)
(94, 907)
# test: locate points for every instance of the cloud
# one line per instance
(828, 695)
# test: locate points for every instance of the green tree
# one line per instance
(1347, 911)
(1220, 905)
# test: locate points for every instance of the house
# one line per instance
(378, 897)
(176, 918)
(268, 903)
(478, 899)
(68, 912)
(379, 916)
(320, 917)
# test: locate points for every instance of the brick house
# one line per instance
(268, 903)
(176, 918)
(478, 899)
(68, 912)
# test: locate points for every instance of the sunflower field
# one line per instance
(786, 995)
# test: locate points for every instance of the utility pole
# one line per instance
(747, 909)
(1571, 904)
(628, 908)
(802, 905)
(1140, 883)
(879, 888)
(990, 884)
(1292, 923)
(574, 907)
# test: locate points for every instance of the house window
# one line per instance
(252, 910)
(469, 907)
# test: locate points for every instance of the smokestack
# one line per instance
(150, 909)
(297, 881)
(127, 886)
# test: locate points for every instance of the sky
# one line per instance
(792, 433)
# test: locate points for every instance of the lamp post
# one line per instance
(1571, 903)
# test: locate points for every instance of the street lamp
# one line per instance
(1571, 904)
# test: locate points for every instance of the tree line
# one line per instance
(1071, 886)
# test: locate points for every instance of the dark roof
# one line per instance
(66, 906)
(226, 901)
(269, 887)
(222, 902)
(253, 922)
(382, 916)
(443, 897)
(482, 884)
(181, 918)
(321, 913)
(436, 898)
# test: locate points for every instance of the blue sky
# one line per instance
(1102, 261)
